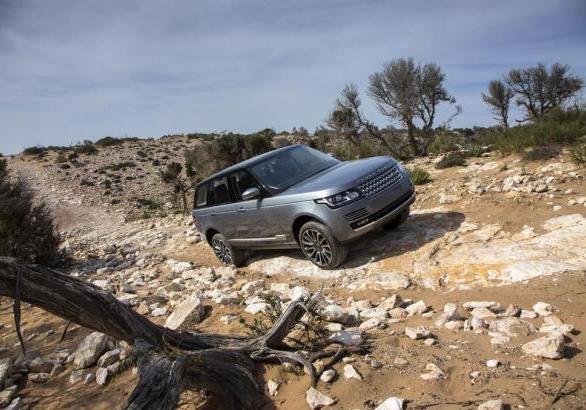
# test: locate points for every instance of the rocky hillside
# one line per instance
(477, 301)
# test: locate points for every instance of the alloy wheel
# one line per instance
(222, 251)
(316, 247)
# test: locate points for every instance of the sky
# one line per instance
(74, 70)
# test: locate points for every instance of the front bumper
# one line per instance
(367, 214)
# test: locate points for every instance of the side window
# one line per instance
(241, 181)
(221, 191)
(201, 198)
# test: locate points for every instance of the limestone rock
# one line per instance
(492, 405)
(317, 400)
(543, 309)
(550, 347)
(419, 332)
(392, 403)
(109, 358)
(418, 307)
(188, 312)
(433, 372)
(272, 387)
(347, 337)
(89, 350)
(351, 373)
(328, 376)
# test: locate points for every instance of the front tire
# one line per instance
(225, 252)
(319, 245)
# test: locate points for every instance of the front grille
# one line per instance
(382, 212)
(354, 215)
(384, 178)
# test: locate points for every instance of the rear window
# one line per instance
(201, 197)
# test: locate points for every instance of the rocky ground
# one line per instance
(478, 297)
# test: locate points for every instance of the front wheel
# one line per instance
(225, 252)
(320, 246)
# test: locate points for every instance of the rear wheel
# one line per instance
(225, 252)
(399, 220)
(320, 246)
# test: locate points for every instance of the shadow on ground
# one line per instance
(418, 230)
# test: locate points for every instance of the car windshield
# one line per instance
(287, 168)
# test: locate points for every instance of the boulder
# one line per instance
(7, 395)
(347, 337)
(5, 370)
(433, 372)
(89, 350)
(550, 347)
(482, 313)
(334, 313)
(39, 377)
(188, 312)
(512, 326)
(109, 358)
(317, 400)
(390, 303)
(484, 304)
(416, 308)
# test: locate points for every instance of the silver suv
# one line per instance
(298, 197)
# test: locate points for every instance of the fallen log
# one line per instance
(168, 360)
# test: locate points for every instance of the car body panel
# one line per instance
(268, 222)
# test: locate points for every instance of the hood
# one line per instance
(342, 176)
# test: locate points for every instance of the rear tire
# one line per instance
(399, 220)
(225, 252)
(319, 245)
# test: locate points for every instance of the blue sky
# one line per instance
(71, 70)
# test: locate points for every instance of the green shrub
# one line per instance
(109, 141)
(26, 224)
(73, 156)
(64, 166)
(141, 154)
(443, 143)
(541, 153)
(60, 158)
(147, 203)
(419, 176)
(578, 152)
(86, 148)
(474, 150)
(36, 150)
(451, 159)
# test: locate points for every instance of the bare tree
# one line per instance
(539, 91)
(499, 100)
(348, 119)
(408, 92)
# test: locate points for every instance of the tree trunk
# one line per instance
(168, 360)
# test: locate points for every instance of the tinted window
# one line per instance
(287, 168)
(221, 191)
(241, 181)
(201, 198)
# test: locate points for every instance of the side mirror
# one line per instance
(250, 193)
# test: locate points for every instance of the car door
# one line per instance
(222, 213)
(250, 221)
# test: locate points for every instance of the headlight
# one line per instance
(402, 168)
(341, 199)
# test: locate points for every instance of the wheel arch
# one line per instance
(300, 221)
(210, 234)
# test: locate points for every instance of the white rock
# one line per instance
(482, 313)
(419, 332)
(528, 314)
(250, 288)
(299, 292)
(89, 350)
(497, 338)
(158, 312)
(433, 372)
(392, 403)
(550, 347)
(317, 400)
(445, 198)
(397, 313)
(492, 405)
(334, 313)
(351, 373)
(418, 307)
(543, 309)
(392, 302)
(430, 341)
(188, 312)
(492, 364)
(109, 358)
(481, 304)
(327, 376)
(102, 376)
(256, 308)
(512, 326)
(273, 387)
(348, 337)
(370, 324)
(76, 376)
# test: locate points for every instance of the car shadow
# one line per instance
(418, 230)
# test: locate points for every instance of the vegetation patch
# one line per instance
(419, 176)
(451, 159)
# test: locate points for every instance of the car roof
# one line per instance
(249, 162)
